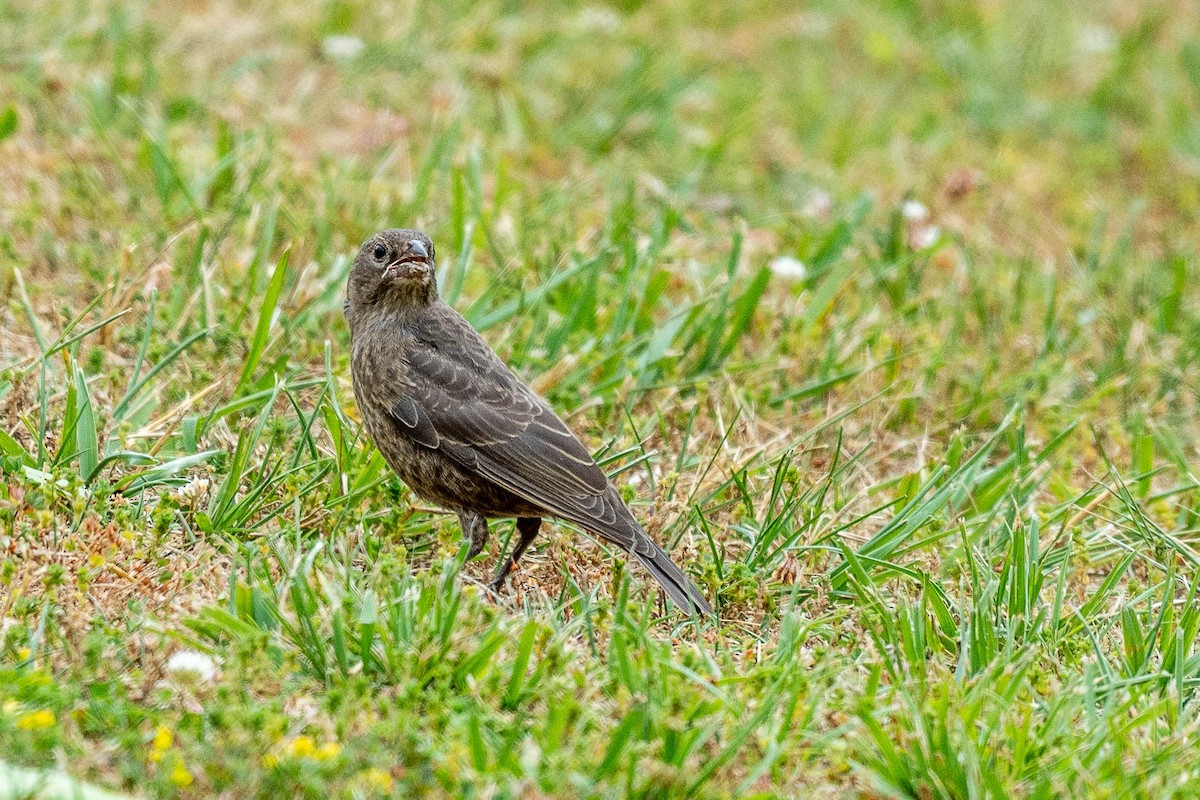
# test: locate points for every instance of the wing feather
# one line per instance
(475, 403)
(416, 422)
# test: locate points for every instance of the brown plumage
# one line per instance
(461, 429)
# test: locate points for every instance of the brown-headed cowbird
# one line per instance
(461, 429)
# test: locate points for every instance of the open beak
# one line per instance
(415, 253)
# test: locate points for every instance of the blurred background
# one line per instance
(884, 314)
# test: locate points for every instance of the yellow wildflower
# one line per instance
(162, 738)
(303, 746)
(24, 653)
(270, 760)
(180, 775)
(379, 779)
(328, 751)
(36, 720)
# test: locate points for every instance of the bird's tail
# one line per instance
(677, 586)
(620, 528)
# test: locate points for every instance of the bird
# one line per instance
(462, 430)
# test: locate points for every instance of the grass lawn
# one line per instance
(884, 315)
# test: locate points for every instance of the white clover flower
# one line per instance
(1096, 39)
(199, 664)
(192, 492)
(342, 47)
(926, 236)
(914, 210)
(789, 267)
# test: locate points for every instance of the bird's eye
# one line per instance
(380, 252)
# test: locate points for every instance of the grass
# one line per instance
(883, 314)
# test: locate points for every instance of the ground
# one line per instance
(884, 316)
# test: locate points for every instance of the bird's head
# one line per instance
(393, 268)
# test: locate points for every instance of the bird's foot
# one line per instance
(493, 591)
(497, 584)
(495, 587)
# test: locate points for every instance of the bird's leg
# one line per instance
(475, 528)
(527, 530)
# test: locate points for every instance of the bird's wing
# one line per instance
(461, 399)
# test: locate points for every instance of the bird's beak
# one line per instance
(415, 250)
(414, 261)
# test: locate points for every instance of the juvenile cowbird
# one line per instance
(461, 429)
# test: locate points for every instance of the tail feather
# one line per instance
(677, 586)
(620, 528)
